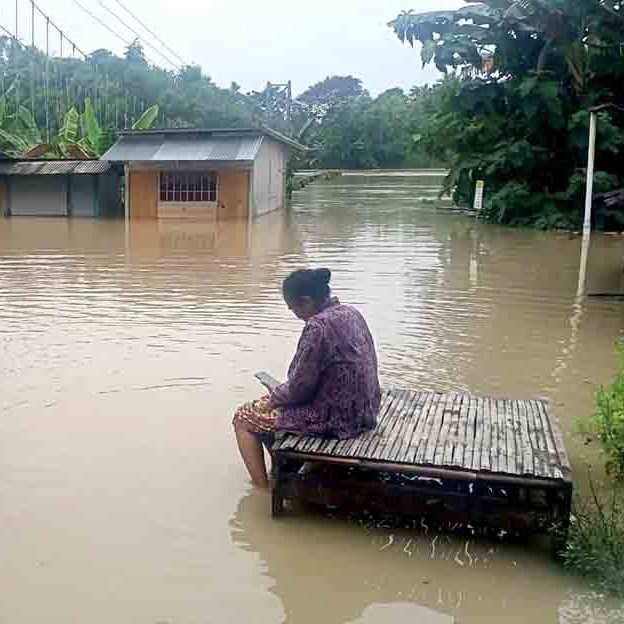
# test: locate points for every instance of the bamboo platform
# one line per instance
(497, 462)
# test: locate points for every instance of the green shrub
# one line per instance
(608, 422)
(595, 546)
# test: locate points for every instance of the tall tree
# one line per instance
(528, 70)
(321, 97)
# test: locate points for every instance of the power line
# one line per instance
(150, 31)
(107, 27)
(49, 23)
(11, 35)
(101, 23)
(121, 21)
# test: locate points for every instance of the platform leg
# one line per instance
(277, 504)
(277, 500)
(559, 533)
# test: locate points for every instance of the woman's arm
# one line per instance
(305, 370)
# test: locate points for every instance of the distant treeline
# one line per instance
(342, 122)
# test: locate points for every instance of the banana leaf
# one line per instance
(146, 120)
(29, 125)
(69, 132)
(92, 132)
(86, 145)
(12, 142)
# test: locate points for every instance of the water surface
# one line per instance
(125, 350)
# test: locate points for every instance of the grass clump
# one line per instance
(595, 544)
(608, 422)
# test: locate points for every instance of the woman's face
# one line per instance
(303, 308)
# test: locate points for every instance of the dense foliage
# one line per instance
(358, 131)
(517, 116)
(39, 91)
(595, 542)
(608, 422)
(337, 116)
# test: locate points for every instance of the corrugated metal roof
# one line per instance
(185, 147)
(129, 148)
(218, 132)
(54, 167)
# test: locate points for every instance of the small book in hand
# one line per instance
(268, 381)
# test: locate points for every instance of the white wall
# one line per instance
(268, 177)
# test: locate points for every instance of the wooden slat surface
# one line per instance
(457, 431)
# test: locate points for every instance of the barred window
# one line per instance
(188, 187)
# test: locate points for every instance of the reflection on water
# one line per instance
(125, 348)
(425, 576)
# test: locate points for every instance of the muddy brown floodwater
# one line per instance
(125, 350)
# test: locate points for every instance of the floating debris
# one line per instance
(390, 542)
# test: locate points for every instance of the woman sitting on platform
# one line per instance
(332, 388)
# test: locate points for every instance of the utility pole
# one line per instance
(274, 95)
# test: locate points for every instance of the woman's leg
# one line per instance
(253, 421)
(252, 452)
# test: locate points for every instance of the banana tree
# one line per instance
(18, 130)
(147, 119)
(82, 136)
(65, 144)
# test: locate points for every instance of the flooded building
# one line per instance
(59, 188)
(203, 174)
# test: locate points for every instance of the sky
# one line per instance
(250, 41)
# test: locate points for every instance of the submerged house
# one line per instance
(59, 188)
(203, 174)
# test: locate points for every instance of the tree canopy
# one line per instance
(105, 93)
(517, 117)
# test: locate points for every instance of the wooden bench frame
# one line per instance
(513, 472)
(511, 504)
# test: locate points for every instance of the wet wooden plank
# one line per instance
(436, 426)
(289, 442)
(304, 444)
(351, 447)
(407, 423)
(517, 430)
(452, 433)
(499, 407)
(510, 434)
(400, 417)
(315, 445)
(530, 434)
(474, 425)
(479, 424)
(557, 433)
(524, 440)
(417, 436)
(527, 447)
(485, 456)
(462, 430)
(453, 401)
(388, 427)
(363, 441)
(542, 450)
(555, 465)
(494, 451)
(400, 452)
(427, 425)
(530, 423)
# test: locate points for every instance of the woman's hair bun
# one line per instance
(323, 275)
(308, 283)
